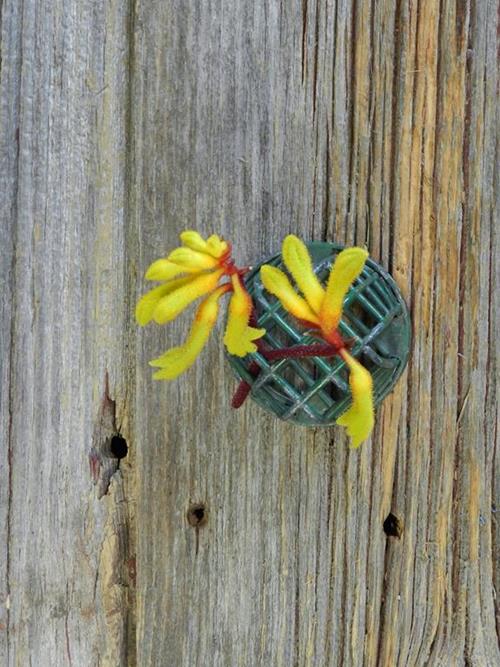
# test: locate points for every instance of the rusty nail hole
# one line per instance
(118, 447)
(197, 515)
(393, 527)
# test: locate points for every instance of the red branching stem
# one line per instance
(335, 345)
(299, 351)
(244, 387)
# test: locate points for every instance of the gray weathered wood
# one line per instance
(123, 124)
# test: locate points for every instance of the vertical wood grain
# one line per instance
(65, 322)
(359, 122)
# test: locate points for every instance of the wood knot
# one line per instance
(197, 515)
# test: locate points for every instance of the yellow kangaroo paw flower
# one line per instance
(216, 246)
(174, 303)
(213, 245)
(179, 359)
(192, 259)
(346, 268)
(163, 269)
(239, 336)
(147, 303)
(359, 418)
(277, 283)
(298, 262)
(193, 240)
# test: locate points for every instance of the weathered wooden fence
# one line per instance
(123, 123)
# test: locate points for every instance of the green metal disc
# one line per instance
(314, 391)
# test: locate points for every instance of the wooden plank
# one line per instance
(64, 326)
(366, 122)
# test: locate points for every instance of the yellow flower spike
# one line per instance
(359, 418)
(346, 268)
(298, 262)
(174, 303)
(179, 359)
(193, 240)
(163, 269)
(239, 335)
(212, 246)
(192, 259)
(277, 283)
(147, 303)
(216, 246)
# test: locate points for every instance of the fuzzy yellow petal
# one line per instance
(192, 259)
(174, 303)
(347, 266)
(239, 336)
(213, 246)
(277, 283)
(298, 261)
(179, 359)
(147, 303)
(193, 240)
(359, 418)
(216, 246)
(163, 269)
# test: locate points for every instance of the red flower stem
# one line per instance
(295, 352)
(244, 387)
(299, 351)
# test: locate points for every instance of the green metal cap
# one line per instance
(314, 391)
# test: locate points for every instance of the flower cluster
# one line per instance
(321, 309)
(204, 268)
(192, 271)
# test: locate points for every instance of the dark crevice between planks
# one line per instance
(315, 62)
(131, 244)
(351, 99)
(396, 126)
(400, 28)
(304, 40)
(325, 223)
(14, 204)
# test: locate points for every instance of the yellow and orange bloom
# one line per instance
(202, 269)
(359, 418)
(321, 308)
(190, 272)
(239, 335)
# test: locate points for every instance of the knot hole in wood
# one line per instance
(197, 515)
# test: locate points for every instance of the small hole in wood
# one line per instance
(118, 447)
(393, 526)
(197, 515)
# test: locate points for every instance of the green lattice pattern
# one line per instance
(315, 390)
